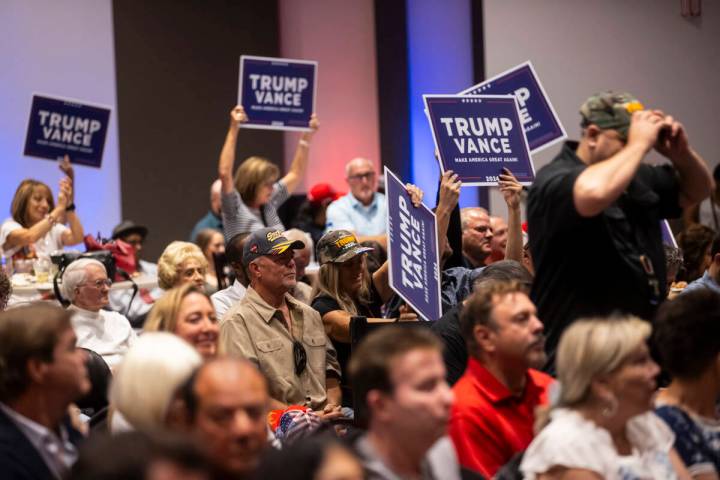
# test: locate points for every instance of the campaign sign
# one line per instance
(667, 235)
(59, 126)
(541, 123)
(277, 93)
(412, 250)
(479, 135)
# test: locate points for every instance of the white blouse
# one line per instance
(572, 441)
(48, 244)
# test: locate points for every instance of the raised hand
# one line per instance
(66, 167)
(238, 116)
(449, 190)
(416, 195)
(65, 193)
(510, 188)
(645, 126)
(672, 142)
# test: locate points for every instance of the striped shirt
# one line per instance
(239, 218)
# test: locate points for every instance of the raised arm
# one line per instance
(300, 160)
(447, 200)
(511, 190)
(601, 183)
(227, 154)
(76, 233)
(26, 236)
(696, 182)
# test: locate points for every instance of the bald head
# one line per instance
(231, 401)
(362, 179)
(476, 234)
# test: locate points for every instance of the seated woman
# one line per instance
(37, 226)
(181, 262)
(187, 312)
(144, 386)
(687, 336)
(251, 200)
(210, 242)
(602, 426)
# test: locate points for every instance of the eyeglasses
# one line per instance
(98, 283)
(362, 176)
(300, 357)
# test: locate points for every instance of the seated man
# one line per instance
(224, 299)
(711, 277)
(283, 336)
(41, 373)
(363, 210)
(213, 218)
(134, 234)
(86, 284)
(399, 381)
(302, 290)
(495, 399)
(225, 404)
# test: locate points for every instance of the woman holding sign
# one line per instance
(251, 200)
(37, 226)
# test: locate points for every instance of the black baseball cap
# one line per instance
(267, 241)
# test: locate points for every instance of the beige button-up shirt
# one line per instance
(255, 330)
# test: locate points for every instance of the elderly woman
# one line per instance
(250, 201)
(187, 312)
(210, 242)
(181, 262)
(602, 426)
(37, 226)
(86, 285)
(687, 336)
(145, 383)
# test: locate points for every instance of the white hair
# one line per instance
(297, 234)
(75, 274)
(348, 165)
(467, 211)
(152, 371)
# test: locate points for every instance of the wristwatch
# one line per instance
(70, 208)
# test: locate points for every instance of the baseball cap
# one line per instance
(126, 227)
(267, 241)
(610, 110)
(338, 246)
(321, 192)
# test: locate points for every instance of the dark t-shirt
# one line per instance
(594, 265)
(326, 304)
(455, 353)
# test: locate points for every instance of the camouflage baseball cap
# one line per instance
(338, 246)
(267, 241)
(610, 110)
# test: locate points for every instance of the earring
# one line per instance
(610, 409)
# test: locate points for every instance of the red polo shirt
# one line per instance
(488, 425)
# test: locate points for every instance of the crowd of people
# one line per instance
(575, 346)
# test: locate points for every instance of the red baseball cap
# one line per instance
(321, 192)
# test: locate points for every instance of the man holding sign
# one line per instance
(594, 213)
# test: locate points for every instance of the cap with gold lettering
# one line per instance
(267, 241)
(338, 246)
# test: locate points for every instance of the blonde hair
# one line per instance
(251, 174)
(146, 381)
(18, 207)
(592, 347)
(328, 283)
(164, 314)
(172, 257)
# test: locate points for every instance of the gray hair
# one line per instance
(467, 211)
(297, 234)
(355, 161)
(75, 274)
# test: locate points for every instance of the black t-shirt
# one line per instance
(326, 304)
(594, 265)
(455, 353)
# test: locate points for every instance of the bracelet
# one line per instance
(304, 143)
(70, 208)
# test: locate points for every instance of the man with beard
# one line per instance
(495, 400)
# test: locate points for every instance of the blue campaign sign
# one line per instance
(541, 123)
(478, 135)
(277, 93)
(59, 126)
(667, 235)
(412, 250)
